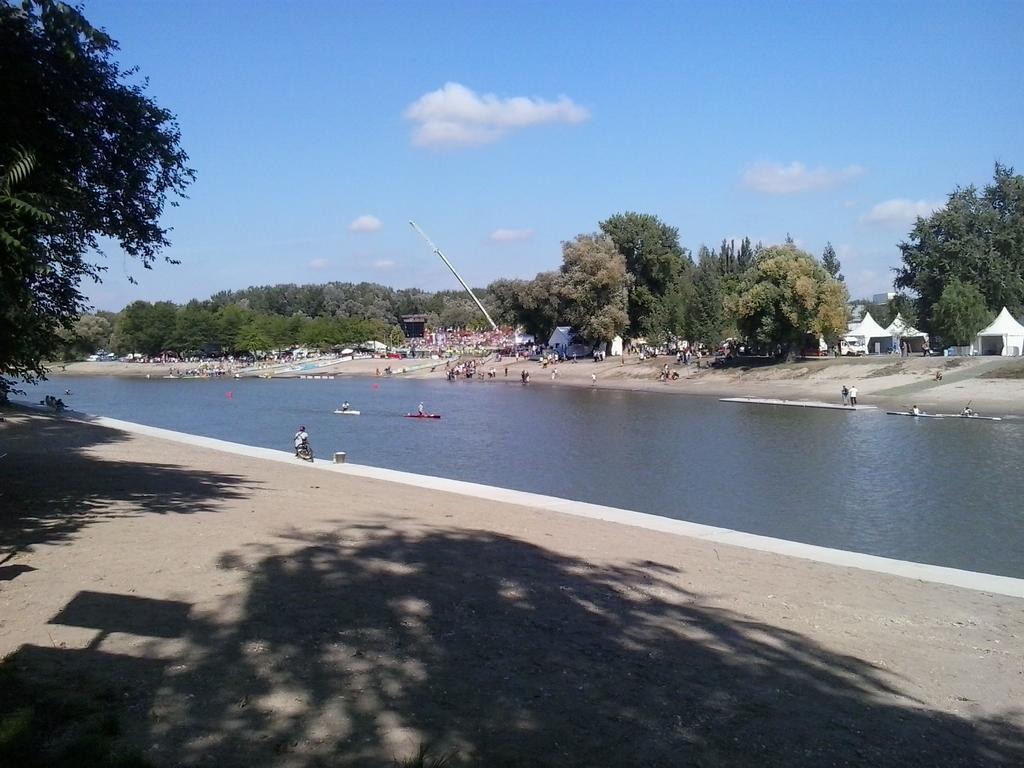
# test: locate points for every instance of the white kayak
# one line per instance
(915, 415)
(349, 412)
(972, 418)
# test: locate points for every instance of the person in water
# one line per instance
(916, 411)
(420, 411)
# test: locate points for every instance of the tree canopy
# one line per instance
(659, 270)
(786, 295)
(84, 154)
(594, 287)
(960, 313)
(975, 238)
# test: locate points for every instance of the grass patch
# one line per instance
(1014, 370)
(51, 726)
(888, 370)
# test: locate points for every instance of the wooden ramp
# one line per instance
(798, 403)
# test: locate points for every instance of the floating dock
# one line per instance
(798, 403)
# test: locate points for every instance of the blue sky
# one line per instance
(318, 129)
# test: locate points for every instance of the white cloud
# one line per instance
(365, 223)
(384, 265)
(899, 212)
(779, 179)
(510, 235)
(318, 263)
(458, 116)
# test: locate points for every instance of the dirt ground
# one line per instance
(253, 613)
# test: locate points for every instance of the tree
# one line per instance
(107, 159)
(830, 262)
(707, 311)
(786, 295)
(537, 305)
(975, 238)
(960, 313)
(659, 273)
(147, 328)
(902, 305)
(594, 287)
(195, 329)
(393, 337)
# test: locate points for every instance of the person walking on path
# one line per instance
(853, 395)
(846, 395)
(593, 379)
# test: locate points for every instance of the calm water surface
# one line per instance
(935, 491)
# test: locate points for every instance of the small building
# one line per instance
(414, 326)
(561, 338)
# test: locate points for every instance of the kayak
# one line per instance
(423, 416)
(349, 412)
(975, 417)
(915, 415)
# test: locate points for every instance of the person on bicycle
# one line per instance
(301, 440)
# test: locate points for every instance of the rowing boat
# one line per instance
(423, 416)
(915, 415)
(349, 412)
(975, 417)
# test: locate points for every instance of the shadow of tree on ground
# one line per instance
(359, 645)
(50, 487)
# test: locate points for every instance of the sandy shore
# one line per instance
(889, 382)
(253, 613)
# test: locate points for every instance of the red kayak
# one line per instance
(423, 415)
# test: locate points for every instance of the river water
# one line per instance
(936, 491)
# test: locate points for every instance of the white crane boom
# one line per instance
(458, 277)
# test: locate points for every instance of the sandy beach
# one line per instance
(992, 385)
(245, 612)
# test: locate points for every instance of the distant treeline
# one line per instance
(630, 278)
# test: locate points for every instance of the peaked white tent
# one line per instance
(871, 334)
(1005, 336)
(900, 330)
(561, 338)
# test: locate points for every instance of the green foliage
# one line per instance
(786, 295)
(904, 306)
(960, 313)
(660, 272)
(975, 238)
(830, 262)
(537, 305)
(707, 311)
(594, 287)
(85, 154)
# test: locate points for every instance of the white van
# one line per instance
(852, 345)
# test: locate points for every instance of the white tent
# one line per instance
(1005, 336)
(561, 338)
(374, 346)
(871, 334)
(900, 330)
